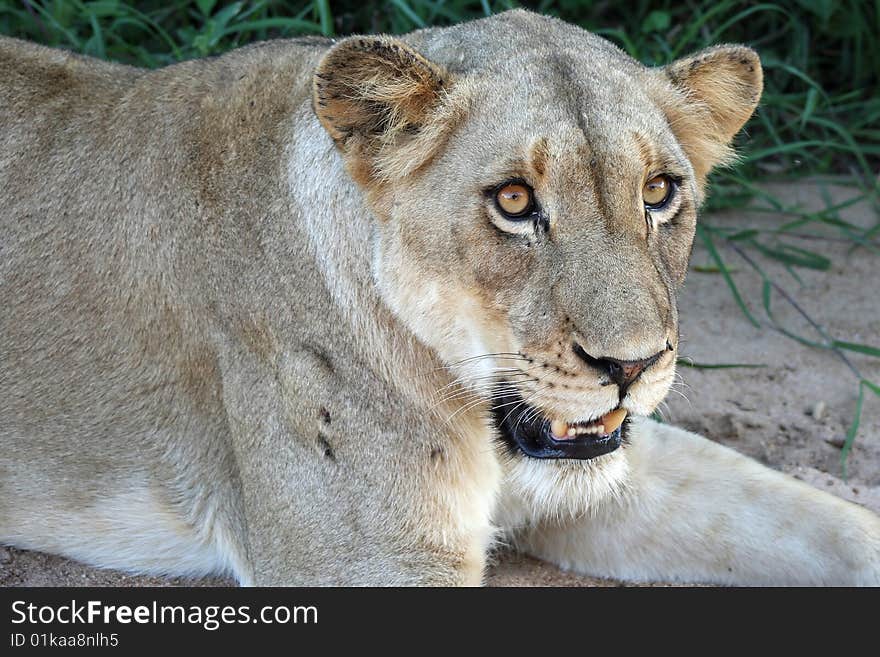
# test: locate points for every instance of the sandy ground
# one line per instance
(791, 414)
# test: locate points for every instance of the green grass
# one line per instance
(820, 113)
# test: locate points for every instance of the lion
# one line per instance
(355, 312)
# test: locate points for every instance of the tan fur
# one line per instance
(718, 89)
(255, 308)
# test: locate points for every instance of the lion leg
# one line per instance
(336, 489)
(695, 511)
(322, 528)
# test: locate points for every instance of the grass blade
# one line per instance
(713, 252)
(860, 348)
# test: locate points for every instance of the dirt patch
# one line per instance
(791, 413)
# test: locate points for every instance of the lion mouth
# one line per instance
(525, 428)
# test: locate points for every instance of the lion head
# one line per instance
(535, 193)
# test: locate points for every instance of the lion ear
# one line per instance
(719, 90)
(370, 93)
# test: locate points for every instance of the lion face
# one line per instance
(535, 215)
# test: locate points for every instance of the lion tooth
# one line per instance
(559, 428)
(613, 420)
(571, 432)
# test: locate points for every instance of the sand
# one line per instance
(790, 414)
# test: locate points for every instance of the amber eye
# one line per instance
(514, 200)
(657, 191)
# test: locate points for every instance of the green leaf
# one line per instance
(809, 106)
(206, 6)
(711, 269)
(860, 348)
(793, 255)
(291, 24)
(95, 44)
(739, 18)
(710, 246)
(222, 18)
(743, 235)
(326, 17)
(822, 8)
(408, 11)
(684, 362)
(695, 25)
(105, 8)
(853, 430)
(656, 21)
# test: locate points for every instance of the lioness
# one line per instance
(349, 312)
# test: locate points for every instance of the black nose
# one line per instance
(621, 372)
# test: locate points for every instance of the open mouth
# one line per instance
(526, 428)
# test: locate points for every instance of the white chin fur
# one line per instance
(644, 398)
(542, 490)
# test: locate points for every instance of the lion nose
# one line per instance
(621, 372)
(625, 372)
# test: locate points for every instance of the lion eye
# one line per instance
(514, 200)
(657, 191)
